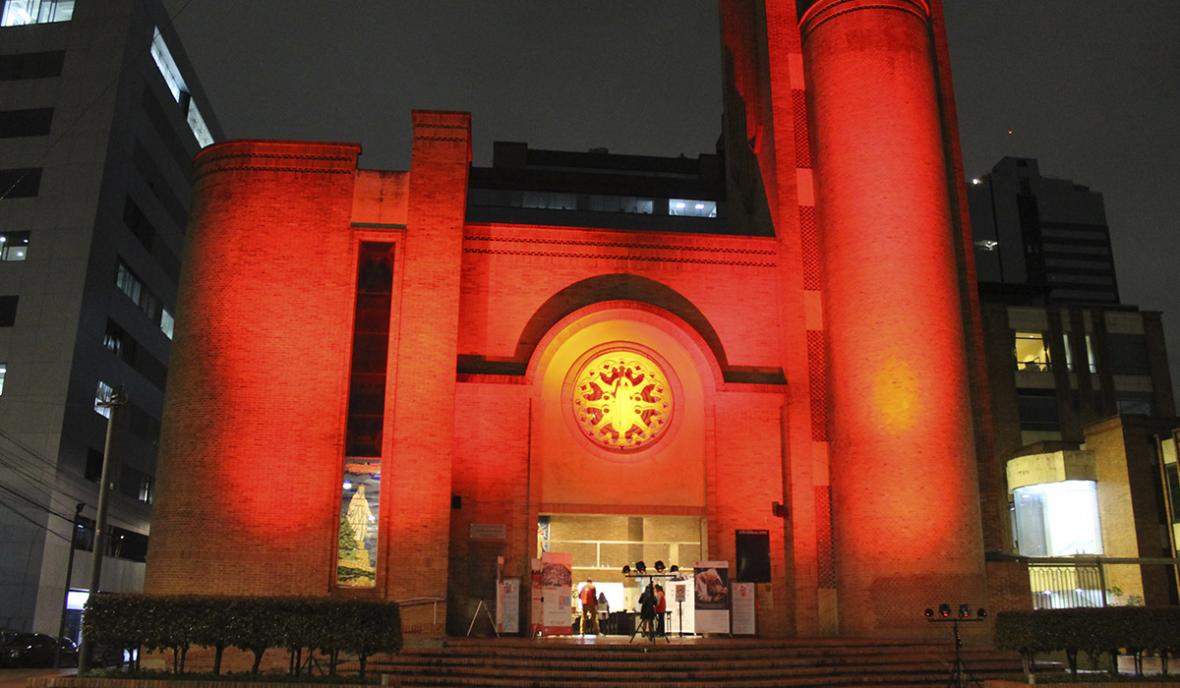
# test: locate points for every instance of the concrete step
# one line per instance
(695, 663)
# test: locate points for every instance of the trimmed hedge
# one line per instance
(1095, 631)
(255, 624)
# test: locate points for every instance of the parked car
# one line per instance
(35, 650)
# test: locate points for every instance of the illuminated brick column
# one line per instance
(418, 461)
(905, 501)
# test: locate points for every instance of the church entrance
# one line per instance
(601, 545)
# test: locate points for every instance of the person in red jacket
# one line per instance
(589, 599)
(661, 609)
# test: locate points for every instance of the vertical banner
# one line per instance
(743, 609)
(711, 579)
(508, 605)
(557, 580)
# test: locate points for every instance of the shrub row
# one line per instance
(254, 624)
(1095, 631)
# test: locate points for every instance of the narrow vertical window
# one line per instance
(3, 374)
(361, 488)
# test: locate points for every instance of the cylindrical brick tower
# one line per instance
(904, 493)
(249, 463)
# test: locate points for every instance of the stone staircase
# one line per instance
(691, 663)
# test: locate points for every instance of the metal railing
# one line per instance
(421, 602)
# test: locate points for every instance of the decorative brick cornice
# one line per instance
(826, 10)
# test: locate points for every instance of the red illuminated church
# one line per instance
(386, 381)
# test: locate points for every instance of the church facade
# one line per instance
(372, 394)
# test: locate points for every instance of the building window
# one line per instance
(167, 323)
(17, 123)
(1031, 352)
(1058, 519)
(8, 310)
(14, 246)
(692, 208)
(20, 182)
(196, 123)
(1135, 406)
(31, 65)
(179, 90)
(1128, 354)
(102, 396)
(23, 12)
(3, 374)
(131, 285)
(1038, 410)
(1172, 472)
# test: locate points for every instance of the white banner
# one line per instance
(743, 609)
(508, 606)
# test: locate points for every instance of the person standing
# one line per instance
(589, 600)
(661, 610)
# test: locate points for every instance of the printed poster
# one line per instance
(743, 609)
(557, 581)
(508, 606)
(712, 596)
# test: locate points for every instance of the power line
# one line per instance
(42, 526)
(31, 501)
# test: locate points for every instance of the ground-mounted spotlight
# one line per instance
(929, 613)
(626, 569)
(660, 566)
(944, 610)
(674, 569)
(964, 611)
(640, 567)
(982, 613)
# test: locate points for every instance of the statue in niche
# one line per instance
(359, 515)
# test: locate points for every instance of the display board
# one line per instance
(508, 605)
(712, 596)
(556, 583)
(743, 609)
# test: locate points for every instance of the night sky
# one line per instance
(1089, 87)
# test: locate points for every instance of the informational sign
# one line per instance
(556, 583)
(712, 596)
(682, 605)
(743, 609)
(508, 606)
(492, 532)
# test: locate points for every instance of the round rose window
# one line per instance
(622, 400)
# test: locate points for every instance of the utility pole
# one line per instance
(65, 600)
(86, 655)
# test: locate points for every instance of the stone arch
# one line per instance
(615, 287)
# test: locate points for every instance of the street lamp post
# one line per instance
(65, 600)
(86, 655)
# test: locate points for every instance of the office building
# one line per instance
(100, 115)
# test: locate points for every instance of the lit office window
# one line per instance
(22, 12)
(3, 374)
(180, 93)
(1090, 355)
(102, 395)
(14, 246)
(692, 208)
(1058, 519)
(1031, 352)
(197, 124)
(167, 66)
(167, 323)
